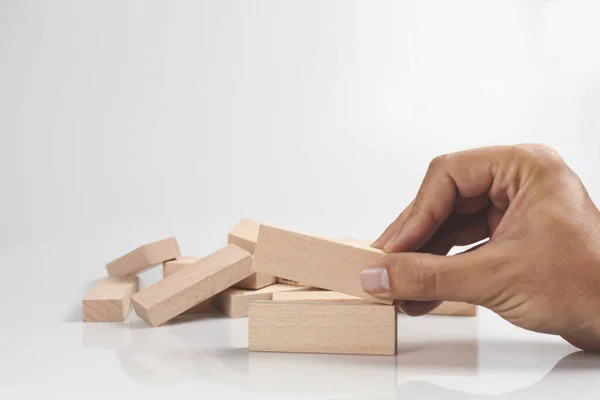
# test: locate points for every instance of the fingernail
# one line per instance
(375, 280)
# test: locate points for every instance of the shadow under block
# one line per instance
(316, 262)
(109, 301)
(144, 257)
(172, 266)
(244, 235)
(322, 327)
(318, 295)
(235, 302)
(192, 285)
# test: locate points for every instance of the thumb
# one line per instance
(466, 277)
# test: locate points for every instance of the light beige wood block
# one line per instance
(192, 285)
(144, 257)
(110, 300)
(234, 302)
(322, 327)
(172, 266)
(356, 242)
(455, 309)
(317, 295)
(316, 262)
(244, 235)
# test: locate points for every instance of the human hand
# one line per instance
(540, 269)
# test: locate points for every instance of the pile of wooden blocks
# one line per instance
(301, 293)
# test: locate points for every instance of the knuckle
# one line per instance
(541, 155)
(412, 279)
(438, 162)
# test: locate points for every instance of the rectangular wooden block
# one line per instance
(235, 302)
(317, 262)
(109, 301)
(172, 266)
(192, 285)
(318, 295)
(456, 309)
(322, 327)
(244, 235)
(144, 257)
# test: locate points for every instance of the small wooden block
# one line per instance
(319, 295)
(172, 266)
(322, 327)
(235, 302)
(109, 300)
(316, 262)
(356, 242)
(144, 257)
(192, 285)
(244, 235)
(456, 309)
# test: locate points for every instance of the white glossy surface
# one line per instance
(126, 121)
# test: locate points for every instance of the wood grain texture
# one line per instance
(172, 266)
(322, 327)
(192, 285)
(144, 256)
(244, 235)
(234, 302)
(316, 262)
(319, 295)
(109, 301)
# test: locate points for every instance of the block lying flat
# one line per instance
(170, 267)
(235, 302)
(144, 257)
(192, 285)
(109, 300)
(322, 327)
(317, 262)
(244, 235)
(455, 309)
(318, 295)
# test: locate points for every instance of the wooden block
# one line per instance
(144, 257)
(192, 285)
(290, 282)
(172, 266)
(356, 242)
(322, 327)
(318, 295)
(244, 235)
(110, 300)
(316, 262)
(235, 302)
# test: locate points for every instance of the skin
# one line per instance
(540, 268)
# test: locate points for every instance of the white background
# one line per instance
(123, 122)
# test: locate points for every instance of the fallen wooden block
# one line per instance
(109, 301)
(172, 266)
(144, 257)
(192, 285)
(322, 327)
(454, 308)
(317, 262)
(235, 302)
(318, 295)
(244, 235)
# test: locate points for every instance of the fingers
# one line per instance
(393, 229)
(426, 277)
(467, 175)
(418, 308)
